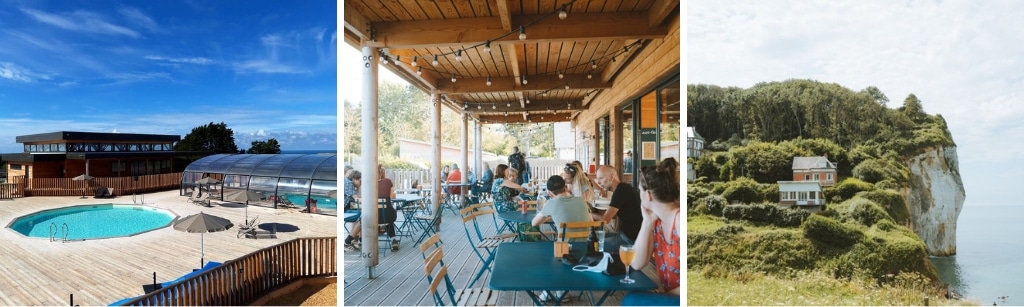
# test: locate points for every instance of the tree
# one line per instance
(216, 138)
(265, 147)
(353, 129)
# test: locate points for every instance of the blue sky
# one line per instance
(961, 58)
(265, 68)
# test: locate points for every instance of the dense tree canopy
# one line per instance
(265, 147)
(759, 130)
(216, 138)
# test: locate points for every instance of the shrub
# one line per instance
(695, 193)
(847, 189)
(766, 213)
(744, 190)
(830, 231)
(892, 201)
(715, 204)
(885, 225)
(867, 212)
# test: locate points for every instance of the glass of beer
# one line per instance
(626, 253)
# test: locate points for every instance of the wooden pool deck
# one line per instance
(35, 271)
(400, 280)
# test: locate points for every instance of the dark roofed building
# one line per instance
(66, 154)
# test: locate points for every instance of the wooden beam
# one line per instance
(518, 118)
(659, 11)
(504, 15)
(355, 22)
(534, 84)
(472, 31)
(621, 60)
(534, 106)
(515, 56)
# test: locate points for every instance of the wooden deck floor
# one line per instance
(400, 280)
(35, 271)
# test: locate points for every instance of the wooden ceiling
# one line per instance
(549, 75)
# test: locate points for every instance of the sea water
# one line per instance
(988, 264)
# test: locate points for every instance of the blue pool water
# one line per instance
(93, 221)
(321, 202)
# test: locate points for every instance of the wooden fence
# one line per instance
(240, 281)
(10, 191)
(122, 185)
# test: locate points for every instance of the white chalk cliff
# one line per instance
(935, 197)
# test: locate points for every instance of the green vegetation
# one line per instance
(216, 138)
(265, 147)
(744, 249)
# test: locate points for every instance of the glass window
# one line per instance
(16, 167)
(669, 121)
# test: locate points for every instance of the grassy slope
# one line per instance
(755, 266)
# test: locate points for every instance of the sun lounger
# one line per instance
(248, 228)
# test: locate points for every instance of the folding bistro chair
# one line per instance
(489, 244)
(429, 221)
(456, 297)
(577, 230)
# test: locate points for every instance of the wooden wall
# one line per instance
(658, 61)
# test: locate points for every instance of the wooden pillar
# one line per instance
(465, 156)
(435, 168)
(368, 190)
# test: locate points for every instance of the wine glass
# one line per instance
(626, 253)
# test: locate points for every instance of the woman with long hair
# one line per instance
(505, 189)
(659, 233)
(578, 183)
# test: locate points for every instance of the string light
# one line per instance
(465, 105)
(593, 64)
(458, 55)
(524, 80)
(419, 71)
(398, 59)
(560, 75)
(488, 81)
(487, 46)
(435, 60)
(453, 77)
(562, 13)
(384, 59)
(414, 59)
(590, 76)
(527, 100)
(566, 85)
(494, 107)
(522, 33)
(508, 104)
(478, 107)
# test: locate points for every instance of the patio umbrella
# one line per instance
(202, 223)
(86, 178)
(244, 197)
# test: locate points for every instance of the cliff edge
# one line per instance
(935, 197)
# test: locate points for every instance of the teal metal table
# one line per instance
(531, 266)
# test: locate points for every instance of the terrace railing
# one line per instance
(240, 281)
(122, 185)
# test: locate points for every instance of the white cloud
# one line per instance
(81, 21)
(17, 73)
(182, 60)
(139, 18)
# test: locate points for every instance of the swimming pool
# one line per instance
(321, 202)
(92, 221)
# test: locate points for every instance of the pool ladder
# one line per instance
(139, 199)
(63, 229)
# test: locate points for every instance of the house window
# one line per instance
(802, 196)
(828, 176)
(15, 167)
(816, 178)
(807, 177)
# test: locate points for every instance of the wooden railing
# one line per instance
(240, 281)
(122, 185)
(10, 191)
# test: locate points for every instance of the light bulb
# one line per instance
(567, 86)
(527, 100)
(453, 77)
(545, 94)
(478, 107)
(560, 75)
(488, 81)
(435, 60)
(458, 55)
(593, 64)
(465, 106)
(524, 80)
(419, 71)
(562, 14)
(589, 76)
(384, 59)
(508, 104)
(414, 59)
(487, 47)
(522, 33)
(494, 107)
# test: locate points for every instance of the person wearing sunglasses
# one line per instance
(659, 233)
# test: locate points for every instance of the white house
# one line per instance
(801, 194)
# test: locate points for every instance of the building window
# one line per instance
(807, 177)
(15, 167)
(828, 176)
(816, 178)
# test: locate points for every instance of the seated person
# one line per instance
(505, 189)
(659, 236)
(562, 207)
(353, 180)
(625, 203)
(485, 182)
(454, 178)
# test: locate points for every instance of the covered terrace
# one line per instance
(610, 68)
